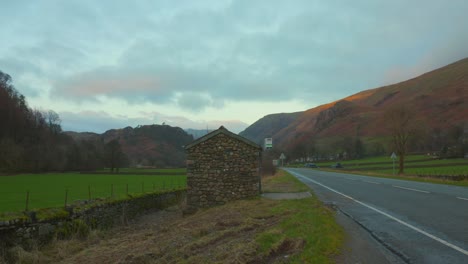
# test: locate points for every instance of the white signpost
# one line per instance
(282, 157)
(393, 157)
(268, 143)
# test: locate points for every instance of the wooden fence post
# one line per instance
(66, 197)
(27, 201)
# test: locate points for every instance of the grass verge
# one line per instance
(402, 177)
(282, 182)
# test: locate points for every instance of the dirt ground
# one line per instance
(212, 236)
(218, 235)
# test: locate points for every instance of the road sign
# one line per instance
(268, 143)
(282, 157)
(393, 157)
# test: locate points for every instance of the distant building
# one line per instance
(222, 167)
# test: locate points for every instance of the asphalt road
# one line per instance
(417, 222)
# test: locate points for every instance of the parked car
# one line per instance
(311, 165)
(337, 166)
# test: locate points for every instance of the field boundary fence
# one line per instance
(34, 199)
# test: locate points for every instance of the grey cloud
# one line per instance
(234, 50)
(194, 102)
(91, 121)
(132, 86)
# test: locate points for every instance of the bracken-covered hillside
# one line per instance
(439, 100)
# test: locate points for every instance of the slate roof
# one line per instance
(222, 130)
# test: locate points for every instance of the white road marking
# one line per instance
(461, 198)
(371, 182)
(440, 240)
(410, 189)
(349, 179)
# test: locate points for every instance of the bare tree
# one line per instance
(401, 123)
(53, 121)
(115, 156)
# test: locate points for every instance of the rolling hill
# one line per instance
(197, 133)
(439, 100)
(150, 145)
(268, 125)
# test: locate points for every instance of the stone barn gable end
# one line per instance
(222, 167)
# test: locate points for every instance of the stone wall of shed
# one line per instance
(220, 170)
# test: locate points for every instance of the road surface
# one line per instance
(417, 222)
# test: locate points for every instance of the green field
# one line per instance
(448, 171)
(414, 165)
(50, 190)
(417, 168)
(375, 160)
(181, 171)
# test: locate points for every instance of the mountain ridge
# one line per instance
(439, 98)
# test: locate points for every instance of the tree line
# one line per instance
(32, 140)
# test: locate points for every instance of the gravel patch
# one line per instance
(286, 196)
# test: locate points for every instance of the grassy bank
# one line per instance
(282, 182)
(309, 225)
(247, 231)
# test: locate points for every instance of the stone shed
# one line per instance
(222, 167)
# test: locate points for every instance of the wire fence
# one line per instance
(37, 197)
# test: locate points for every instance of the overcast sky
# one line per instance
(197, 64)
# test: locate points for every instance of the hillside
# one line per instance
(268, 126)
(151, 145)
(197, 133)
(31, 140)
(439, 100)
(83, 136)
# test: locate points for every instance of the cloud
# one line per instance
(200, 54)
(196, 102)
(110, 82)
(100, 121)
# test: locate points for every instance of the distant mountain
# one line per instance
(268, 126)
(438, 98)
(197, 133)
(151, 145)
(80, 136)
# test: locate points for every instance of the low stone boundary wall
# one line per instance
(445, 177)
(100, 215)
(135, 173)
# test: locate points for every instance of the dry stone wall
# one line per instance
(102, 216)
(220, 170)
